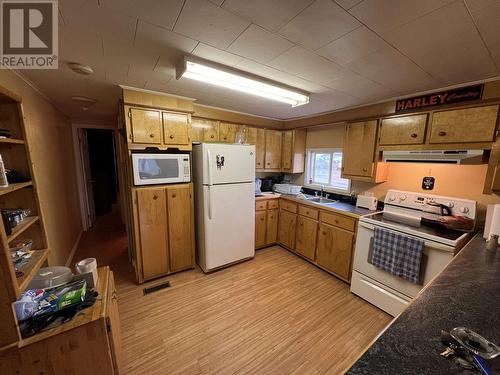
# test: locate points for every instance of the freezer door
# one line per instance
(229, 224)
(224, 164)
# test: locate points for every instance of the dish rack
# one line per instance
(287, 189)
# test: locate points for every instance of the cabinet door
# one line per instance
(272, 227)
(287, 227)
(113, 323)
(464, 125)
(359, 148)
(204, 130)
(153, 234)
(145, 126)
(257, 137)
(404, 130)
(286, 160)
(334, 250)
(175, 128)
(180, 228)
(307, 230)
(227, 132)
(273, 149)
(260, 228)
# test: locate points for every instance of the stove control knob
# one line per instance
(464, 210)
(392, 198)
(450, 204)
(402, 197)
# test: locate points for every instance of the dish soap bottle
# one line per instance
(3, 175)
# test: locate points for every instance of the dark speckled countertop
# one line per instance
(466, 293)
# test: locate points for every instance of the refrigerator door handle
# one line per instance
(210, 208)
(209, 171)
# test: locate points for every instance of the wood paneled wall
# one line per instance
(50, 138)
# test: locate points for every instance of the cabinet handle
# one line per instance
(365, 170)
(212, 136)
(336, 221)
(268, 163)
(171, 136)
(323, 233)
(307, 212)
(442, 134)
(155, 197)
(414, 135)
(151, 136)
(174, 195)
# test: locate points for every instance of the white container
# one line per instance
(3, 175)
(492, 224)
(366, 201)
(287, 189)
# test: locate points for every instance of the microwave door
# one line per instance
(152, 169)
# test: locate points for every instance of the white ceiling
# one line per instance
(344, 52)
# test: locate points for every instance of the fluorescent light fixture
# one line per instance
(219, 75)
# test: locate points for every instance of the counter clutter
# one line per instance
(465, 294)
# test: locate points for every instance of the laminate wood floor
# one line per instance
(275, 314)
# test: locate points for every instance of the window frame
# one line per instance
(309, 170)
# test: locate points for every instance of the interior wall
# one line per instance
(49, 135)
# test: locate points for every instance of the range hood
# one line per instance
(435, 156)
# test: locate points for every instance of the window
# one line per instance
(324, 167)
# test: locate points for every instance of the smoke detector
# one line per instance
(80, 68)
(84, 101)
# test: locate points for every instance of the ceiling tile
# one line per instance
(307, 65)
(161, 13)
(385, 15)
(354, 45)
(259, 44)
(319, 24)
(206, 22)
(217, 55)
(271, 15)
(348, 4)
(450, 51)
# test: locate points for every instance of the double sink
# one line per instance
(322, 200)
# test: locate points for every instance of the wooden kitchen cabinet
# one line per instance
(176, 128)
(227, 132)
(403, 130)
(260, 228)
(180, 226)
(204, 130)
(272, 226)
(287, 229)
(164, 222)
(113, 325)
(467, 125)
(272, 159)
(293, 151)
(305, 241)
(334, 250)
(360, 160)
(145, 126)
(257, 137)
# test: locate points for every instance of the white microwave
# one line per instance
(152, 169)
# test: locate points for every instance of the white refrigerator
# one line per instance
(224, 177)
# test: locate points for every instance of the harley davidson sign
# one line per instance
(462, 94)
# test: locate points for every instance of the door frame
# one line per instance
(80, 170)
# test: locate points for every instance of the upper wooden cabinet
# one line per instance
(203, 130)
(227, 132)
(293, 151)
(145, 126)
(272, 159)
(176, 128)
(257, 137)
(162, 129)
(404, 130)
(464, 125)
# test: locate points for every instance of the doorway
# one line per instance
(99, 175)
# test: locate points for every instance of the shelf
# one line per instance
(14, 187)
(25, 224)
(12, 141)
(30, 269)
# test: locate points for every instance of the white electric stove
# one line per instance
(406, 213)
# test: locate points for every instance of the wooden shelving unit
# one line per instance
(16, 155)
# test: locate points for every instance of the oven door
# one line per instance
(435, 258)
(151, 169)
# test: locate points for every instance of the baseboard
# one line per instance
(73, 250)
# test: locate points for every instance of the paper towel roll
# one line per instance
(86, 266)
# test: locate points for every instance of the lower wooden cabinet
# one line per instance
(305, 240)
(272, 227)
(334, 250)
(287, 229)
(164, 230)
(266, 223)
(260, 228)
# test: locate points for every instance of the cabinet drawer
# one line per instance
(309, 212)
(338, 220)
(464, 125)
(260, 205)
(272, 204)
(288, 206)
(404, 130)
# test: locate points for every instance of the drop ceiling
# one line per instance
(345, 53)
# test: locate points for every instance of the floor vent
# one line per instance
(156, 288)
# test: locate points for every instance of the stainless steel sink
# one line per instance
(322, 200)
